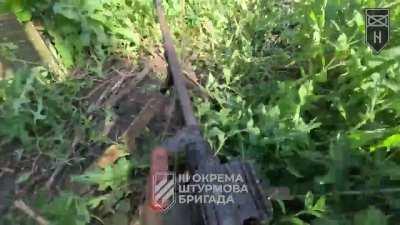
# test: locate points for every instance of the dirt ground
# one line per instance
(140, 113)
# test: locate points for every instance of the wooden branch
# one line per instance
(41, 48)
(77, 139)
(141, 121)
(23, 207)
(136, 79)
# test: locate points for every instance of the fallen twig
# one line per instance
(23, 207)
(140, 122)
(97, 88)
(109, 123)
(117, 87)
(60, 168)
(113, 99)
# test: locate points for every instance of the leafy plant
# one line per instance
(298, 104)
(67, 209)
(31, 113)
(111, 177)
(291, 85)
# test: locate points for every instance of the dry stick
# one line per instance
(116, 82)
(119, 94)
(131, 73)
(21, 205)
(41, 48)
(56, 172)
(109, 125)
(139, 77)
(60, 168)
(97, 88)
(128, 88)
(106, 93)
(140, 122)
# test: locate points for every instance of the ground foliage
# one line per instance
(291, 86)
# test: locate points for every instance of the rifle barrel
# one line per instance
(174, 69)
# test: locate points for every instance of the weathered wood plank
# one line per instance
(40, 46)
(31, 49)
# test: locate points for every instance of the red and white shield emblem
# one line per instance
(163, 191)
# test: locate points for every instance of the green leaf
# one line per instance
(370, 216)
(24, 15)
(227, 75)
(282, 206)
(65, 51)
(359, 138)
(305, 91)
(322, 76)
(128, 34)
(390, 142)
(23, 177)
(96, 201)
(37, 115)
(320, 205)
(67, 10)
(292, 169)
(342, 43)
(309, 200)
(293, 221)
(324, 221)
(67, 209)
(391, 53)
(114, 176)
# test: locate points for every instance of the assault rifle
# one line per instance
(248, 208)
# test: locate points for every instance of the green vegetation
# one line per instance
(291, 85)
